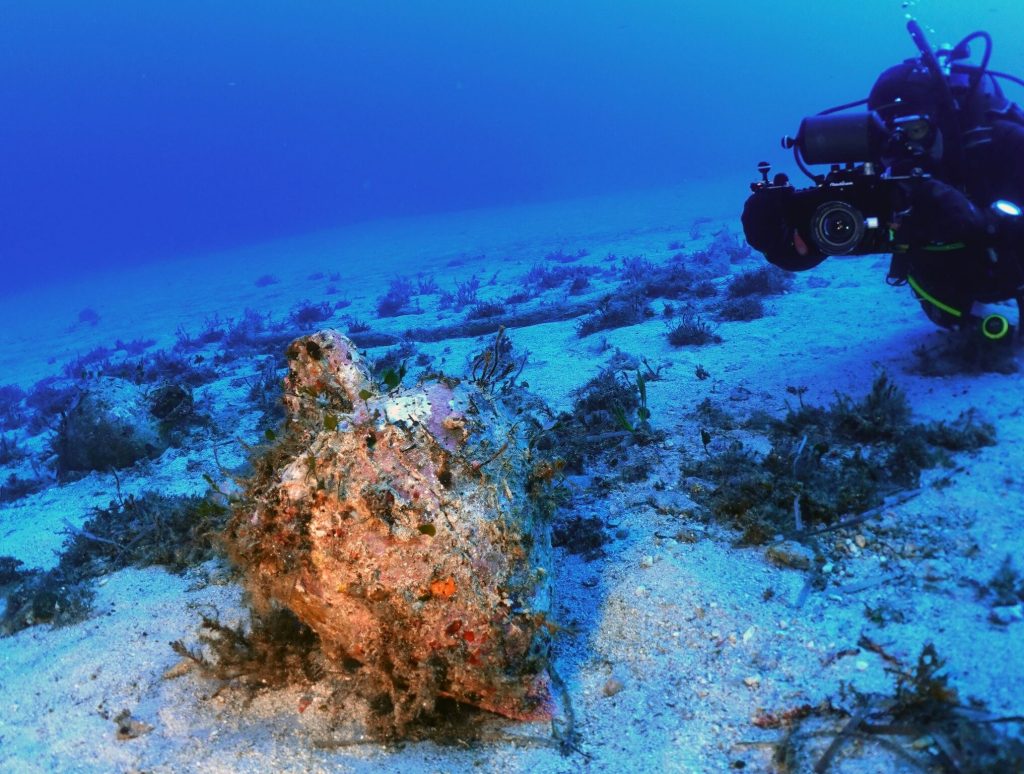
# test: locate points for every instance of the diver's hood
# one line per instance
(908, 88)
(904, 89)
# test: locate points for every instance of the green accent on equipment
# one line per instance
(944, 248)
(932, 299)
(995, 327)
(899, 247)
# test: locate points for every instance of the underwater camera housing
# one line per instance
(847, 213)
(874, 162)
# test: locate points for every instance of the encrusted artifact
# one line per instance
(406, 527)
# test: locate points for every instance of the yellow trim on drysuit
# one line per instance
(931, 248)
(932, 299)
(1005, 328)
(944, 248)
(921, 291)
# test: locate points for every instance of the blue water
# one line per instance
(138, 132)
(158, 158)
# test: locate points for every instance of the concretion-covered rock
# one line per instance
(403, 527)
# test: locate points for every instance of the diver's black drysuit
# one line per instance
(955, 252)
(952, 248)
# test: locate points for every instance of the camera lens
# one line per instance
(837, 228)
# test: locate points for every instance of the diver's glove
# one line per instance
(767, 230)
(940, 214)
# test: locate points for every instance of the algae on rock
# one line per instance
(405, 529)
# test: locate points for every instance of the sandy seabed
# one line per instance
(675, 640)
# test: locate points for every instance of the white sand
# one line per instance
(683, 627)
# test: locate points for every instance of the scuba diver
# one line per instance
(932, 172)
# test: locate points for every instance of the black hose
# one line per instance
(952, 131)
(1007, 76)
(803, 167)
(977, 73)
(847, 106)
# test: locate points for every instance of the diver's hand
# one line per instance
(764, 223)
(800, 245)
(767, 229)
(940, 214)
